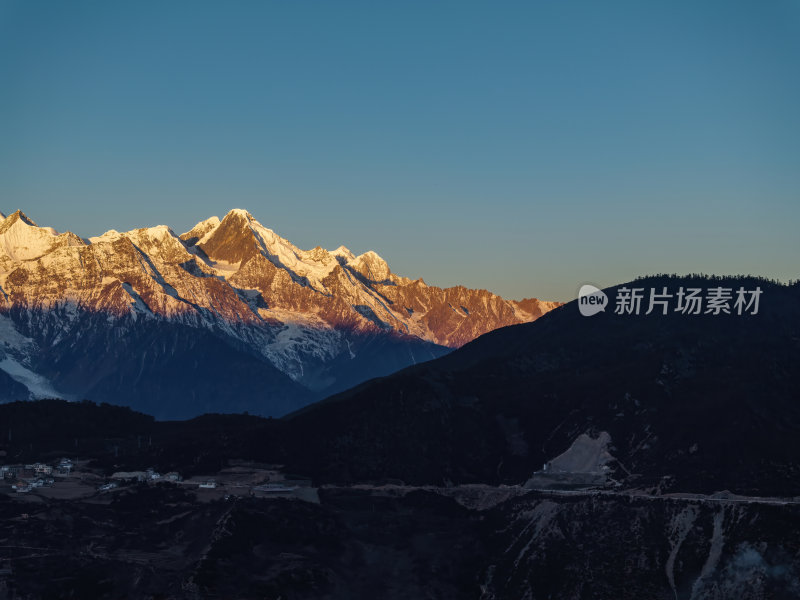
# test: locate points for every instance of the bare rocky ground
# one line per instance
(395, 541)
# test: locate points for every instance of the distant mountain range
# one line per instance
(227, 317)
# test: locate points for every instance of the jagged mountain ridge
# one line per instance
(319, 320)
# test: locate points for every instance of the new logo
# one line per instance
(591, 300)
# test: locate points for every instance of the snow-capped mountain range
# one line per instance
(225, 317)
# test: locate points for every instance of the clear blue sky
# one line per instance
(520, 147)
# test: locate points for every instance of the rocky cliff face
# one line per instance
(602, 546)
(316, 320)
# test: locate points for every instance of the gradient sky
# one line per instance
(525, 147)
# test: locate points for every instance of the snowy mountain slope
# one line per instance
(16, 354)
(320, 319)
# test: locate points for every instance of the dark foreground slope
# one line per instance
(692, 402)
(164, 541)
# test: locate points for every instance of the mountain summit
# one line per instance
(136, 317)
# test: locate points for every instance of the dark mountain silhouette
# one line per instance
(706, 401)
